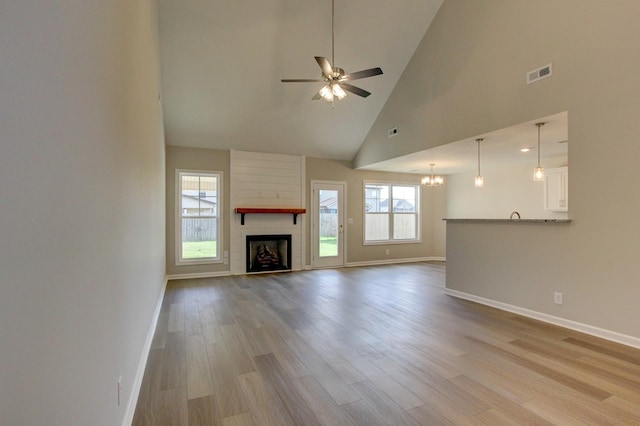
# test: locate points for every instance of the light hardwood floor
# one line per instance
(372, 346)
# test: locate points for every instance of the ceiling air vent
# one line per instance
(393, 132)
(539, 74)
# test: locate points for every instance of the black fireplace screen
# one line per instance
(268, 253)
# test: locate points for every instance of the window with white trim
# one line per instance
(198, 227)
(391, 213)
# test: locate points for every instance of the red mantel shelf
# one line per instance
(261, 210)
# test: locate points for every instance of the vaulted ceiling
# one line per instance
(222, 62)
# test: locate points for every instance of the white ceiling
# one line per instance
(222, 62)
(498, 148)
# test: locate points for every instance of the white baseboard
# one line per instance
(198, 275)
(562, 322)
(142, 363)
(226, 274)
(304, 268)
(392, 261)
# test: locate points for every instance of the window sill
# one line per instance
(391, 242)
(208, 261)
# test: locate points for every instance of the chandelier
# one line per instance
(432, 180)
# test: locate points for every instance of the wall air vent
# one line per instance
(393, 132)
(539, 74)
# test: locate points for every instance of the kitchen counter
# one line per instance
(507, 220)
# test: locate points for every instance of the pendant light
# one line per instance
(479, 181)
(538, 172)
(432, 180)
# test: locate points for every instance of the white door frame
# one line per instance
(341, 259)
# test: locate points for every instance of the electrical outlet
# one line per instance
(557, 298)
(388, 251)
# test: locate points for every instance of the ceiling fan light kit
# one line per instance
(337, 91)
(335, 77)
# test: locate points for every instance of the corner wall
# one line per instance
(82, 207)
(467, 78)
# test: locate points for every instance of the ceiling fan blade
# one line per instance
(316, 97)
(325, 65)
(362, 74)
(355, 90)
(301, 80)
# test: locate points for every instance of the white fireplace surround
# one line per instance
(266, 181)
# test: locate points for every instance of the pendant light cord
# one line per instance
(539, 125)
(479, 140)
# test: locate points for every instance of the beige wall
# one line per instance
(82, 207)
(468, 77)
(179, 158)
(433, 208)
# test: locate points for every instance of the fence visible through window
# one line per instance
(199, 223)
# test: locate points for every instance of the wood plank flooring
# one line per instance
(372, 346)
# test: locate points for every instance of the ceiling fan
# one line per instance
(335, 78)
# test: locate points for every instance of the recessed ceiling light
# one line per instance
(525, 149)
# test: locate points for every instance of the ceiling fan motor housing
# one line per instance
(336, 75)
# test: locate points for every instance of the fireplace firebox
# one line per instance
(268, 253)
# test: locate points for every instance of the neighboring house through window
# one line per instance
(392, 213)
(198, 205)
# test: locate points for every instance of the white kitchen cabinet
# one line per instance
(556, 184)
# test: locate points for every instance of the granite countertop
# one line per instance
(509, 220)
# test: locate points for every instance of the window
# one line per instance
(392, 213)
(198, 219)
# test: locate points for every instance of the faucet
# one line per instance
(514, 213)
